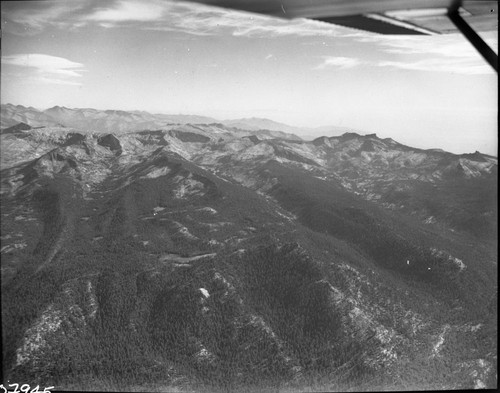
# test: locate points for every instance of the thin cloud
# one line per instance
(447, 53)
(184, 17)
(47, 69)
(243, 25)
(297, 27)
(125, 11)
(441, 65)
(204, 20)
(31, 18)
(449, 45)
(338, 62)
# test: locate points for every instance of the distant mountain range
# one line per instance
(140, 252)
(306, 133)
(92, 119)
(126, 121)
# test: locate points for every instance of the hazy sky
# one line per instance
(160, 56)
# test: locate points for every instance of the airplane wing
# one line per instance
(413, 17)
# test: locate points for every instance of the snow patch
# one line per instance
(204, 292)
(208, 209)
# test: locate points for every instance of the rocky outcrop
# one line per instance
(111, 142)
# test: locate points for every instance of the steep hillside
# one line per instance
(205, 257)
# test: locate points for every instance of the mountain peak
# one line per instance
(56, 108)
(476, 156)
(348, 135)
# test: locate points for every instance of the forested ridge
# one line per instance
(166, 274)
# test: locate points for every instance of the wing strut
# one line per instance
(469, 33)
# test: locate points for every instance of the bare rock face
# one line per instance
(111, 142)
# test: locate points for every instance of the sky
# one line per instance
(185, 58)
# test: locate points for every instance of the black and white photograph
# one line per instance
(249, 195)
